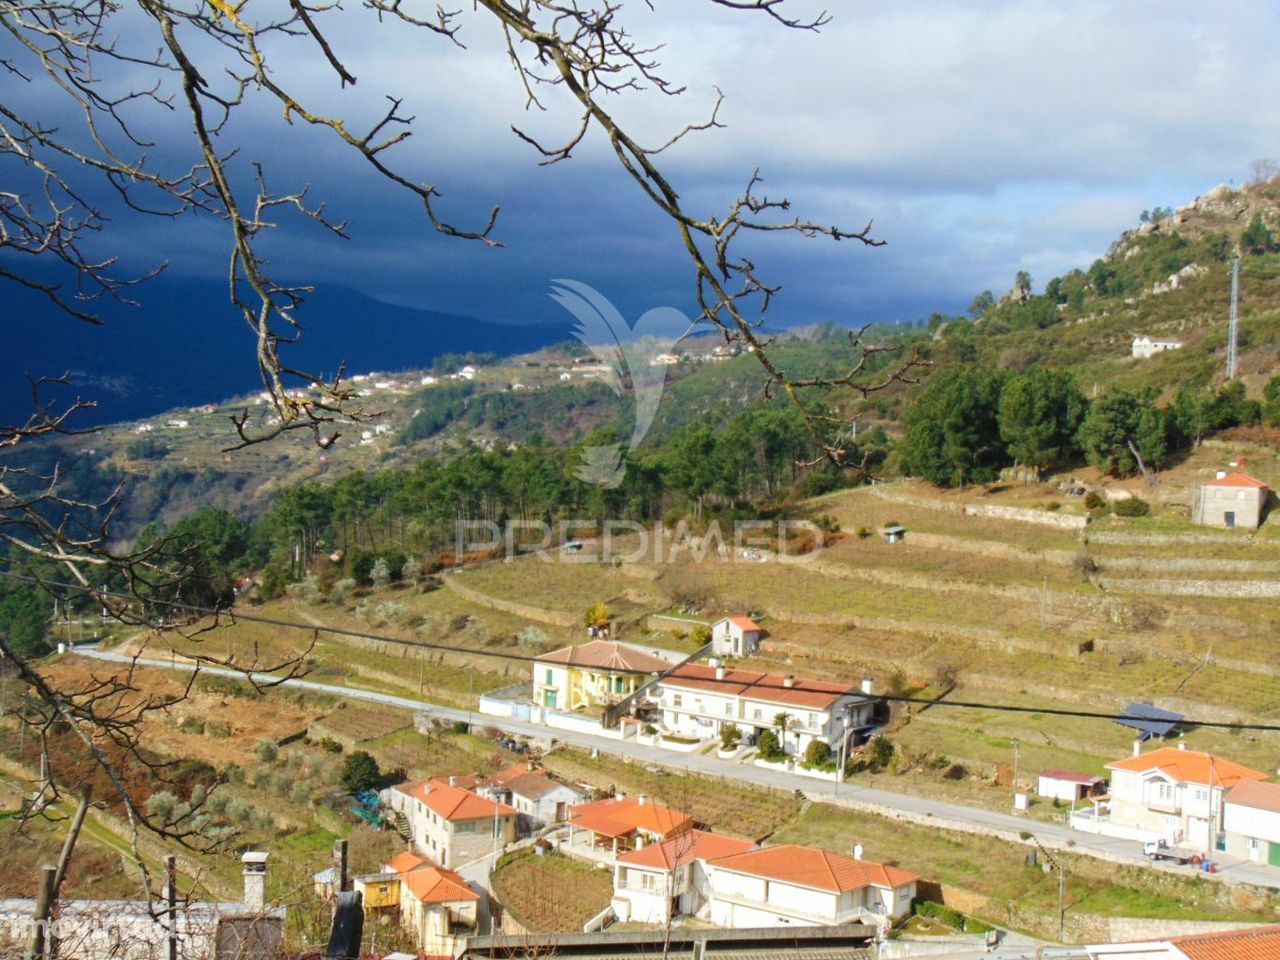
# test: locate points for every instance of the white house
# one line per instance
(451, 824)
(697, 700)
(1249, 943)
(663, 880)
(1145, 346)
(735, 637)
(538, 798)
(467, 373)
(803, 886)
(665, 360)
(1230, 500)
(1251, 819)
(1171, 794)
(435, 905)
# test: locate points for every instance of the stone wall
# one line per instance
(555, 617)
(1043, 518)
(1194, 588)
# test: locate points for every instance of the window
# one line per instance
(1163, 791)
(549, 680)
(648, 882)
(728, 709)
(675, 700)
(1202, 794)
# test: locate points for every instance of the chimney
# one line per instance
(714, 662)
(1221, 474)
(641, 799)
(868, 686)
(255, 880)
(1182, 744)
(529, 764)
(719, 672)
(453, 781)
(1137, 746)
(788, 681)
(857, 850)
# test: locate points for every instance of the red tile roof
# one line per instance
(687, 847)
(814, 868)
(768, 687)
(437, 885)
(1189, 766)
(1237, 480)
(744, 623)
(1256, 943)
(1259, 796)
(454, 803)
(405, 861)
(606, 655)
(623, 816)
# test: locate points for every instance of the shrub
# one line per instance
(649, 730)
(341, 591)
(329, 745)
(460, 726)
(817, 754)
(1132, 507)
(863, 533)
(162, 806)
(944, 914)
(769, 747)
(881, 751)
(1053, 505)
(380, 573)
(216, 728)
(267, 751)
(191, 725)
(729, 737)
(1093, 500)
(827, 523)
(359, 772)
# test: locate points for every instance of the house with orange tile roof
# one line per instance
(1246, 943)
(1230, 500)
(1171, 794)
(618, 824)
(699, 700)
(537, 796)
(1251, 819)
(670, 878)
(592, 675)
(451, 824)
(805, 886)
(434, 904)
(735, 636)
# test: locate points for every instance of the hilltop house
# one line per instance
(537, 797)
(697, 700)
(1230, 500)
(667, 879)
(593, 674)
(1251, 819)
(618, 824)
(1145, 346)
(436, 905)
(1171, 794)
(735, 637)
(779, 886)
(449, 823)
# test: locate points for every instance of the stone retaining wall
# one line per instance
(554, 617)
(1242, 589)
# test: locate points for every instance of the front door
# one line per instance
(1254, 849)
(1229, 518)
(1273, 857)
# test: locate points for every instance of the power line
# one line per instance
(533, 658)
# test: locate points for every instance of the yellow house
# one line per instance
(593, 674)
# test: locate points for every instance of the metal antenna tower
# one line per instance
(1233, 327)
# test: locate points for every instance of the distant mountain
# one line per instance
(183, 345)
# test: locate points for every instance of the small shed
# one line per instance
(895, 533)
(1069, 785)
(735, 637)
(1231, 500)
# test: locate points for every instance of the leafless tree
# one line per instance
(112, 75)
(1263, 170)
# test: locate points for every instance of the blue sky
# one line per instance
(982, 138)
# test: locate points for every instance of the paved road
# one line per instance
(944, 814)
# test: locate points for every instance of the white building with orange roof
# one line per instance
(1251, 819)
(667, 879)
(1248, 943)
(698, 700)
(1171, 794)
(450, 824)
(435, 904)
(1231, 500)
(736, 636)
(805, 886)
(616, 825)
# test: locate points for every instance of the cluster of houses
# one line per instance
(664, 866)
(1183, 797)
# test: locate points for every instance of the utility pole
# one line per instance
(1015, 772)
(1233, 325)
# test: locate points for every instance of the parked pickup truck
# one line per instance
(1160, 850)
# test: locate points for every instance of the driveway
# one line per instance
(945, 815)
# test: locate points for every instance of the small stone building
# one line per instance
(1230, 500)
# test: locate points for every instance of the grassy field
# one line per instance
(552, 893)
